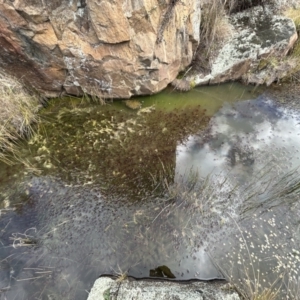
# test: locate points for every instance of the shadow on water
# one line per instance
(112, 190)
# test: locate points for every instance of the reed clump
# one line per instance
(262, 264)
(215, 29)
(18, 112)
(294, 75)
(260, 256)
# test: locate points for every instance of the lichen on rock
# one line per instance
(259, 34)
(157, 290)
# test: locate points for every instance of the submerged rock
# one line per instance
(259, 36)
(133, 104)
(107, 288)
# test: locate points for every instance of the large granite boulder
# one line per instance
(259, 39)
(108, 48)
(106, 288)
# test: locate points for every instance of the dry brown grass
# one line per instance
(294, 74)
(18, 111)
(215, 30)
(294, 14)
(215, 26)
(247, 275)
(260, 256)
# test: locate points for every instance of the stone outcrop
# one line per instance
(107, 288)
(108, 48)
(259, 36)
(120, 48)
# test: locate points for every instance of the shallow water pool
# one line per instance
(105, 189)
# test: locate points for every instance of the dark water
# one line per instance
(112, 190)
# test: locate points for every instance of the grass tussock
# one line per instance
(17, 113)
(261, 258)
(294, 75)
(294, 14)
(261, 266)
(214, 23)
(215, 30)
(92, 94)
(215, 27)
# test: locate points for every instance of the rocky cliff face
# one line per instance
(108, 48)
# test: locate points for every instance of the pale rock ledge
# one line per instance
(106, 288)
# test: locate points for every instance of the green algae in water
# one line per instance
(118, 148)
(120, 151)
(210, 98)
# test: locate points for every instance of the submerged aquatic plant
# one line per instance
(259, 256)
(261, 263)
(104, 144)
(23, 239)
(86, 221)
(79, 228)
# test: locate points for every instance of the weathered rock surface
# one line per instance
(258, 35)
(113, 49)
(107, 288)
